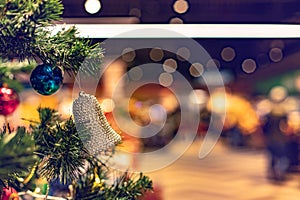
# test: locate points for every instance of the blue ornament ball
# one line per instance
(46, 79)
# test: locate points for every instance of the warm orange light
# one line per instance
(218, 102)
(181, 6)
(107, 105)
(238, 111)
(294, 121)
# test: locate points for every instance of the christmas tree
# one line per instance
(53, 149)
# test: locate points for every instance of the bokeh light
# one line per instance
(107, 105)
(165, 79)
(135, 73)
(249, 66)
(198, 96)
(217, 102)
(170, 65)
(263, 107)
(176, 20)
(128, 54)
(156, 54)
(65, 107)
(183, 53)
(212, 63)
(276, 54)
(228, 54)
(92, 6)
(239, 111)
(196, 69)
(278, 93)
(181, 6)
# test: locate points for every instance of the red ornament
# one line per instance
(9, 193)
(9, 101)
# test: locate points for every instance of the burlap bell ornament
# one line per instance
(92, 125)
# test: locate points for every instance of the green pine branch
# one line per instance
(128, 187)
(24, 34)
(9, 71)
(16, 155)
(52, 149)
(62, 154)
(91, 184)
(19, 20)
(65, 49)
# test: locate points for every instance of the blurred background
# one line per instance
(257, 155)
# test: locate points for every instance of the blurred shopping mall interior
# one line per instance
(234, 98)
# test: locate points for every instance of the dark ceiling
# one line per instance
(199, 11)
(211, 11)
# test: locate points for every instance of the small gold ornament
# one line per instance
(92, 125)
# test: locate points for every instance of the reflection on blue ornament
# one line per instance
(46, 79)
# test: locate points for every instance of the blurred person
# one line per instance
(205, 117)
(276, 143)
